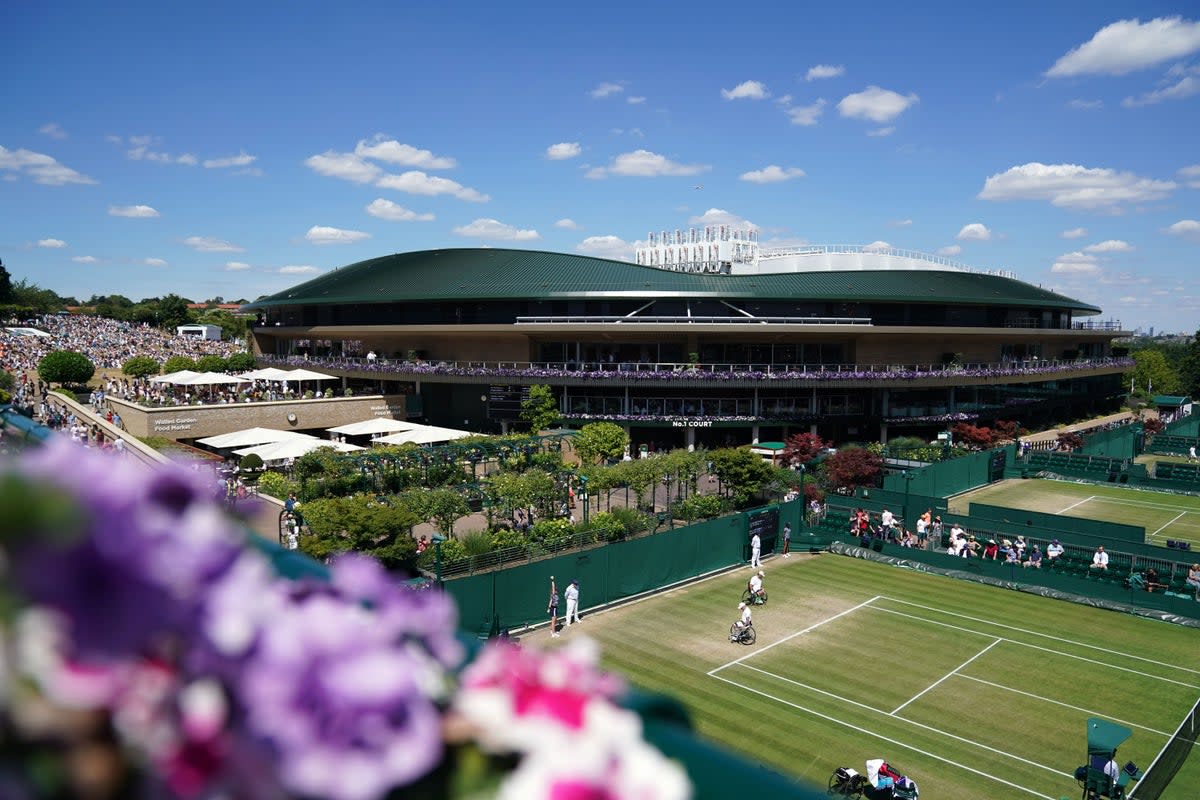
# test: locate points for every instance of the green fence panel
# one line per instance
(1042, 520)
(1184, 426)
(1122, 442)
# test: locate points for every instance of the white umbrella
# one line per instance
(376, 425)
(251, 436)
(175, 377)
(209, 378)
(305, 375)
(267, 374)
(294, 448)
(428, 434)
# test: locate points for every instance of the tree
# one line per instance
(600, 440)
(64, 366)
(1069, 440)
(742, 473)
(442, 507)
(972, 436)
(5, 284)
(540, 408)
(852, 467)
(211, 364)
(1153, 372)
(241, 362)
(178, 363)
(140, 367)
(802, 448)
(172, 312)
(1189, 368)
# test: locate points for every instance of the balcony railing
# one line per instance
(674, 371)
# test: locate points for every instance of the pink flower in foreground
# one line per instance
(596, 768)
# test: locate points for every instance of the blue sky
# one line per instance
(233, 150)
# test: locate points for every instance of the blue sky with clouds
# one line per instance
(234, 149)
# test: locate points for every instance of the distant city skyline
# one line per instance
(236, 150)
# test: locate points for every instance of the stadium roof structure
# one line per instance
(475, 273)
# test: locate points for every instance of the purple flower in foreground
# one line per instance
(146, 546)
(348, 713)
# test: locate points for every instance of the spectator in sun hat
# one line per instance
(1053, 550)
(991, 549)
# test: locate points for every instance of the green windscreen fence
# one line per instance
(517, 596)
(1123, 442)
(1184, 426)
(1040, 520)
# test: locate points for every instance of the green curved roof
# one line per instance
(475, 273)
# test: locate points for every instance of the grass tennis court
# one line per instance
(1164, 516)
(974, 691)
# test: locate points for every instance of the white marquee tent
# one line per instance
(294, 448)
(251, 436)
(424, 434)
(175, 377)
(376, 425)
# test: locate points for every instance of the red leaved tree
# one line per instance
(852, 467)
(976, 438)
(1069, 440)
(1153, 425)
(801, 448)
(1006, 430)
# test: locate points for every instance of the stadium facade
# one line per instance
(851, 343)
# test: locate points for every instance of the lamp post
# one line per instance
(583, 488)
(907, 483)
(803, 502)
(437, 557)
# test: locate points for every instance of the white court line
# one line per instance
(1071, 642)
(1151, 536)
(1043, 699)
(1081, 502)
(1137, 503)
(944, 677)
(793, 636)
(912, 722)
(956, 765)
(1039, 647)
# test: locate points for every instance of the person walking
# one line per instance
(572, 595)
(552, 608)
(787, 540)
(755, 551)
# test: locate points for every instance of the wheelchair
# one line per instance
(846, 782)
(740, 635)
(750, 598)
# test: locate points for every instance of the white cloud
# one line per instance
(1191, 176)
(53, 244)
(1109, 246)
(208, 244)
(605, 89)
(346, 166)
(484, 228)
(405, 155)
(298, 269)
(140, 150)
(132, 211)
(645, 164)
(1074, 233)
(612, 247)
(1075, 263)
(1073, 186)
(806, 115)
(53, 130)
(567, 224)
(1085, 105)
(900, 223)
(875, 104)
(256, 171)
(242, 159)
(236, 266)
(975, 231)
(40, 167)
(772, 174)
(888, 131)
(416, 182)
(876, 246)
(635, 100)
(949, 250)
(746, 90)
(323, 234)
(154, 262)
(1130, 45)
(719, 216)
(84, 259)
(822, 71)
(563, 150)
(1185, 87)
(393, 212)
(1188, 228)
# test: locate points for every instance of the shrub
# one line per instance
(308, 394)
(276, 485)
(212, 364)
(632, 520)
(347, 392)
(606, 527)
(177, 363)
(64, 366)
(328, 393)
(553, 534)
(507, 537)
(452, 550)
(478, 543)
(702, 506)
(241, 362)
(250, 463)
(140, 367)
